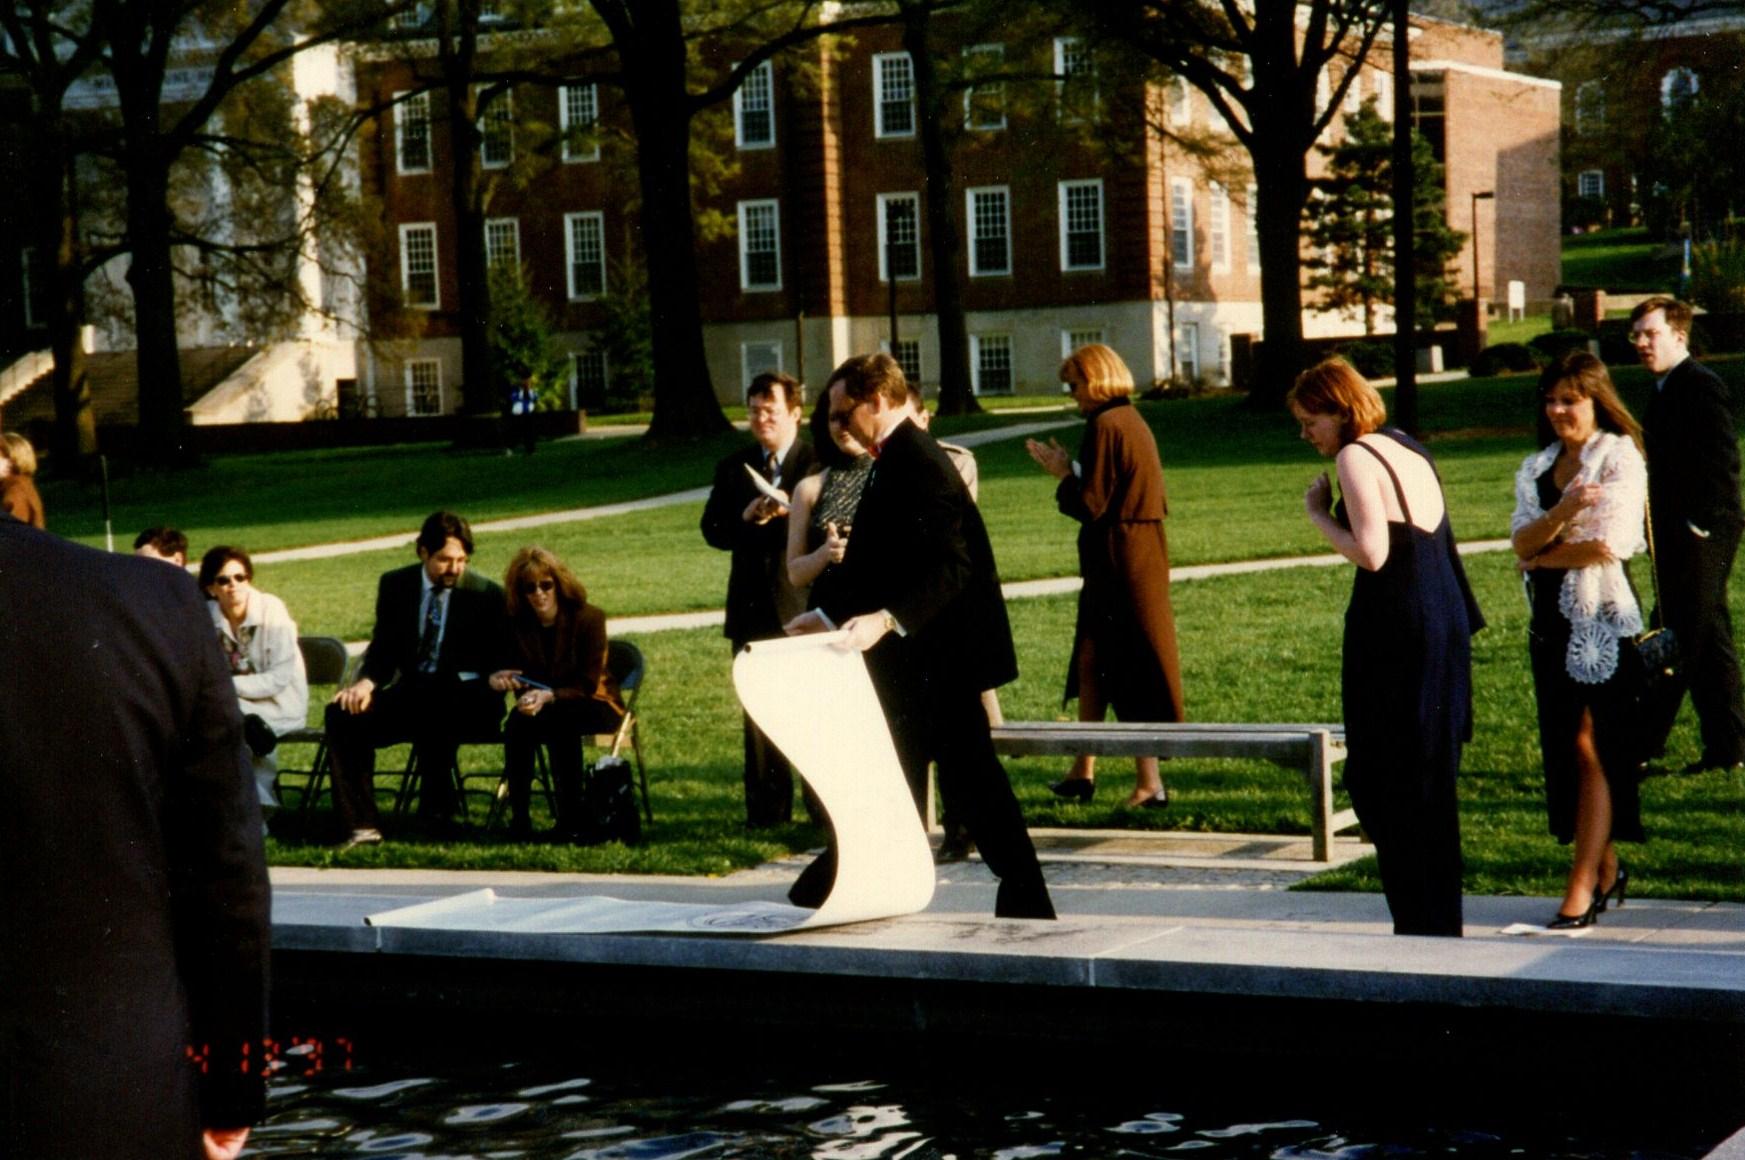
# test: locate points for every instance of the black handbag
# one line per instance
(1655, 648)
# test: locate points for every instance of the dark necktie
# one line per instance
(772, 468)
(427, 640)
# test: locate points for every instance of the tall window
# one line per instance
(1384, 94)
(899, 236)
(754, 119)
(412, 133)
(760, 246)
(984, 105)
(1181, 111)
(1590, 108)
(893, 95)
(1187, 350)
(578, 120)
(497, 131)
(991, 363)
(1071, 340)
(1677, 88)
(1181, 223)
(1252, 228)
(588, 379)
(1218, 229)
(1081, 225)
(418, 265)
(990, 231)
(424, 386)
(907, 352)
(756, 358)
(1591, 183)
(585, 253)
(1076, 90)
(503, 243)
(34, 287)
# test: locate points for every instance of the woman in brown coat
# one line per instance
(562, 686)
(1124, 650)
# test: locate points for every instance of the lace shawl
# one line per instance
(1596, 600)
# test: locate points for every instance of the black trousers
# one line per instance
(1693, 603)
(560, 727)
(1416, 831)
(436, 714)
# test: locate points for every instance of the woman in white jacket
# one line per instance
(1579, 506)
(259, 640)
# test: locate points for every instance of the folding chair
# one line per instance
(326, 662)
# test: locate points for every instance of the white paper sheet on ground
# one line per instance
(816, 702)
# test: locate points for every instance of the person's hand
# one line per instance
(533, 700)
(504, 679)
(763, 509)
(1318, 500)
(1575, 499)
(1050, 456)
(807, 623)
(223, 1143)
(356, 698)
(862, 632)
(835, 543)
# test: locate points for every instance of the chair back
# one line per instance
(325, 659)
(624, 662)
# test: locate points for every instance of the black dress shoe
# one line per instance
(1577, 921)
(957, 847)
(1620, 885)
(1156, 801)
(1074, 788)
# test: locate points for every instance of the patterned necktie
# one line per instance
(427, 640)
(772, 468)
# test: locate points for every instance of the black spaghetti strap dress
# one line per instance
(1407, 684)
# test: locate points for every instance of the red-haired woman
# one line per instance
(564, 690)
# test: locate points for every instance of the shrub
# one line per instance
(1717, 274)
(1585, 213)
(1505, 358)
(1554, 344)
(1372, 360)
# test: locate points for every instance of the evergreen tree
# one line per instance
(1349, 223)
(523, 347)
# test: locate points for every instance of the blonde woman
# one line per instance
(18, 493)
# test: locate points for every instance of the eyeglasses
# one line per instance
(229, 579)
(532, 586)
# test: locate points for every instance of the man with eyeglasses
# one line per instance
(742, 519)
(439, 631)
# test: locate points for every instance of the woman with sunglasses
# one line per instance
(259, 640)
(557, 669)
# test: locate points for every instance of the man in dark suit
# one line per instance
(134, 901)
(920, 596)
(439, 635)
(741, 519)
(1693, 494)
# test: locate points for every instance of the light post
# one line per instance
(1482, 195)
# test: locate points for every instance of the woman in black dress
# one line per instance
(1407, 671)
(821, 513)
(557, 668)
(1578, 516)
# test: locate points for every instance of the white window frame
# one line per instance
(499, 116)
(976, 344)
(410, 373)
(972, 221)
(746, 373)
(1251, 229)
(409, 111)
(1218, 228)
(744, 100)
(513, 234)
(1179, 102)
(992, 93)
(1590, 108)
(407, 230)
(908, 343)
(568, 123)
(1062, 46)
(1071, 338)
(576, 357)
(570, 221)
(1188, 343)
(880, 130)
(1384, 94)
(1670, 77)
(1181, 221)
(1598, 182)
(746, 211)
(1063, 196)
(885, 201)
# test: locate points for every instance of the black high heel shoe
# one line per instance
(1074, 788)
(1620, 885)
(1576, 921)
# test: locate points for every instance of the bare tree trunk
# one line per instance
(1282, 189)
(459, 50)
(162, 425)
(54, 193)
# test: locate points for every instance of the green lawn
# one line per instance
(1619, 260)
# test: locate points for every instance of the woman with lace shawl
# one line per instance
(1578, 516)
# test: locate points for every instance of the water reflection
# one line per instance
(536, 1110)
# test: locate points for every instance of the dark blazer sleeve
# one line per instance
(1707, 441)
(931, 502)
(724, 525)
(478, 627)
(220, 898)
(386, 654)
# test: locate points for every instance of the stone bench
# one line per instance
(1310, 748)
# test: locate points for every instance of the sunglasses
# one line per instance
(532, 586)
(230, 579)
